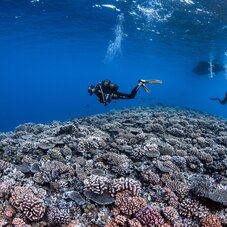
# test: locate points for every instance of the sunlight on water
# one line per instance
(155, 10)
(114, 47)
(187, 2)
(107, 6)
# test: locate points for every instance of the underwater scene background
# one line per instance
(158, 160)
(51, 51)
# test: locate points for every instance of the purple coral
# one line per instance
(150, 177)
(170, 213)
(149, 216)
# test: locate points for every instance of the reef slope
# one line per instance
(150, 166)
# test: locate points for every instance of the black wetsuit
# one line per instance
(223, 101)
(107, 92)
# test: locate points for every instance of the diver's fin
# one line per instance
(145, 88)
(151, 81)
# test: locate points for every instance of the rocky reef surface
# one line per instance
(148, 166)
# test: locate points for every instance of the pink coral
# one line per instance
(134, 223)
(111, 223)
(120, 220)
(128, 204)
(18, 222)
(5, 187)
(9, 212)
(24, 200)
(149, 216)
(211, 221)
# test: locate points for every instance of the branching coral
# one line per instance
(170, 213)
(150, 177)
(18, 222)
(127, 204)
(96, 188)
(211, 221)
(58, 217)
(180, 188)
(119, 164)
(129, 184)
(96, 184)
(52, 170)
(90, 143)
(5, 187)
(192, 208)
(23, 199)
(200, 186)
(149, 216)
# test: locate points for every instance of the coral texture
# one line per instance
(24, 200)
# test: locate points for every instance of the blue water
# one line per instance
(50, 51)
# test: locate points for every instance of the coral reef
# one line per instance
(149, 166)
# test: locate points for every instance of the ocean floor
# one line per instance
(148, 166)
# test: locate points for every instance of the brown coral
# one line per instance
(211, 221)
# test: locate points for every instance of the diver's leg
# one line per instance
(213, 99)
(120, 95)
(219, 100)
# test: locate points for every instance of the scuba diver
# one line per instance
(107, 91)
(223, 101)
